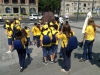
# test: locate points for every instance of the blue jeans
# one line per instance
(67, 58)
(21, 55)
(87, 50)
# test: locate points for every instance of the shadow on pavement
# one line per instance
(95, 58)
(61, 63)
(28, 62)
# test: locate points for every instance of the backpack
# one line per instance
(18, 44)
(46, 39)
(54, 38)
(72, 43)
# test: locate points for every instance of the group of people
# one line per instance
(46, 36)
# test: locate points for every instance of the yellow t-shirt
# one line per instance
(55, 32)
(24, 40)
(10, 34)
(34, 31)
(90, 34)
(64, 39)
(45, 33)
(18, 27)
(12, 26)
(38, 31)
(7, 26)
(28, 32)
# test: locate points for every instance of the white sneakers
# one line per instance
(8, 52)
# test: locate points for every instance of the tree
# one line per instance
(49, 5)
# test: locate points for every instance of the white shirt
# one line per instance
(61, 20)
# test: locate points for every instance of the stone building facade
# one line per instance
(18, 6)
(71, 6)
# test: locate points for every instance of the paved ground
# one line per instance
(9, 62)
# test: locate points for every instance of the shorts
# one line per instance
(34, 37)
(46, 50)
(10, 41)
(54, 48)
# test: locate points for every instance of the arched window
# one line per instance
(23, 11)
(8, 10)
(32, 11)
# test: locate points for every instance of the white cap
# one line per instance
(66, 16)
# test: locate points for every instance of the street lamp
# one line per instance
(78, 10)
(92, 6)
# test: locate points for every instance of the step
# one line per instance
(91, 70)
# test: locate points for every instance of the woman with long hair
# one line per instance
(21, 52)
(24, 34)
(65, 35)
(88, 39)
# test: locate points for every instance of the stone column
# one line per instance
(36, 2)
(26, 1)
(10, 1)
(18, 1)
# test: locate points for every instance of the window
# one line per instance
(75, 3)
(7, 10)
(32, 11)
(84, 5)
(67, 4)
(83, 8)
(32, 1)
(22, 1)
(6, 1)
(88, 9)
(14, 1)
(67, 9)
(23, 11)
(74, 8)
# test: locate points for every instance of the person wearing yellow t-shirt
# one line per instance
(28, 34)
(7, 24)
(34, 33)
(9, 35)
(88, 40)
(54, 41)
(64, 36)
(38, 33)
(45, 42)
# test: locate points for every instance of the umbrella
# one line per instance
(89, 15)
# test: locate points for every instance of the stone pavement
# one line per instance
(9, 62)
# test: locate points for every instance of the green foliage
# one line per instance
(49, 5)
